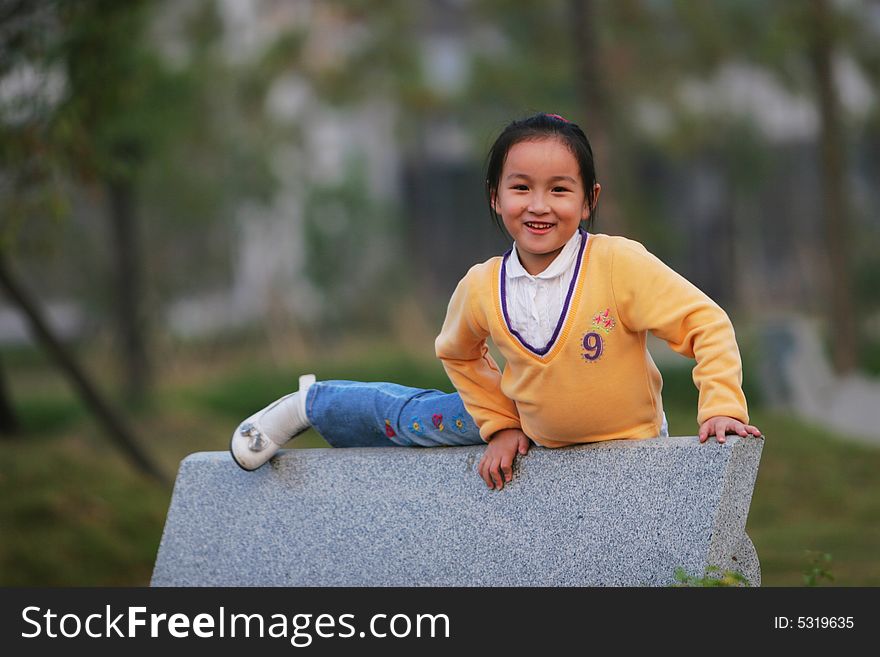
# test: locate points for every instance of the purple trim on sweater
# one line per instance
(571, 287)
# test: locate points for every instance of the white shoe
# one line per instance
(259, 437)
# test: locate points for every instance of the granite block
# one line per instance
(616, 513)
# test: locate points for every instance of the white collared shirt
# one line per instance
(534, 303)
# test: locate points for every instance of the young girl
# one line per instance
(569, 311)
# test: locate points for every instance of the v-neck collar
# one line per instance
(541, 351)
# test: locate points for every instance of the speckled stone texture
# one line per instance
(618, 513)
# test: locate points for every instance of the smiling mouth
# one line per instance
(538, 225)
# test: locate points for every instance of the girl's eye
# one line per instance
(560, 189)
(520, 187)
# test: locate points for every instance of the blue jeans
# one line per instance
(355, 414)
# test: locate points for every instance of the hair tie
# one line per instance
(561, 118)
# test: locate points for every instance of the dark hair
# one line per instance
(541, 126)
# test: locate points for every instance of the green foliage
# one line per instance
(869, 355)
(381, 58)
(711, 578)
(184, 135)
(867, 277)
(78, 516)
(819, 569)
(49, 413)
(352, 252)
(107, 126)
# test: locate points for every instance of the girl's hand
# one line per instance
(722, 425)
(496, 466)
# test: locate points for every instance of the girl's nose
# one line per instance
(537, 205)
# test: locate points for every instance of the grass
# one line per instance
(73, 512)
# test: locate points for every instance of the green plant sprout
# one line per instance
(819, 568)
(712, 577)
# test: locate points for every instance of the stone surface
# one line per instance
(618, 513)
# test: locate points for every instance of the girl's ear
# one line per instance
(494, 202)
(590, 204)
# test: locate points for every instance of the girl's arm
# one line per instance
(652, 297)
(461, 346)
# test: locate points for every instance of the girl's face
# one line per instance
(541, 199)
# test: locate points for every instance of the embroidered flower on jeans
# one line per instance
(459, 424)
(417, 427)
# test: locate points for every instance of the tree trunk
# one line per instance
(130, 317)
(93, 400)
(8, 420)
(594, 101)
(842, 324)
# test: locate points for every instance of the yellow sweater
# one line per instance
(596, 380)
